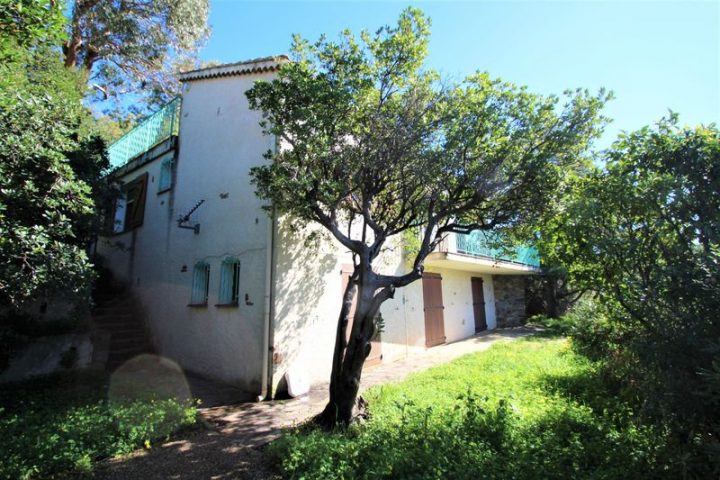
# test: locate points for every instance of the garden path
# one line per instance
(228, 447)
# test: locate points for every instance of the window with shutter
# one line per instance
(118, 218)
(166, 175)
(229, 282)
(135, 193)
(200, 284)
(128, 209)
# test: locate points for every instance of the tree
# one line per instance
(643, 234)
(26, 24)
(378, 145)
(131, 46)
(50, 160)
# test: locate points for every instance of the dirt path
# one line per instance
(229, 447)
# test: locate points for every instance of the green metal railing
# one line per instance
(156, 128)
(482, 244)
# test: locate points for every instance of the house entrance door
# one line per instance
(478, 297)
(433, 302)
(376, 344)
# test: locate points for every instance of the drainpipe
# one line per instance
(268, 317)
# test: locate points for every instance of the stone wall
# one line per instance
(509, 300)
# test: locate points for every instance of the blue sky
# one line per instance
(654, 56)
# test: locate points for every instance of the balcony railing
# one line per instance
(156, 128)
(483, 244)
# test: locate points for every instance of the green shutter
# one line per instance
(200, 284)
(229, 281)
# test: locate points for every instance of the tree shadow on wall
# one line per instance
(306, 257)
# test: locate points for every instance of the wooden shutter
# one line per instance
(229, 281)
(200, 284)
(478, 298)
(433, 303)
(136, 193)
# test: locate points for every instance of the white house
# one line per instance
(231, 293)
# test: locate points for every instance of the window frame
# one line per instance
(229, 288)
(165, 177)
(132, 200)
(200, 287)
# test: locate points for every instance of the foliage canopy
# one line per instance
(135, 47)
(643, 233)
(49, 157)
(373, 144)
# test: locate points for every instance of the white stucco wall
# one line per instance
(219, 141)
(307, 301)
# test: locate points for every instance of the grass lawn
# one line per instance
(528, 409)
(62, 424)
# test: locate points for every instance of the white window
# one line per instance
(166, 174)
(229, 282)
(200, 284)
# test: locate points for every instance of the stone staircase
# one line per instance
(116, 313)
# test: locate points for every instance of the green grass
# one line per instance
(529, 409)
(63, 424)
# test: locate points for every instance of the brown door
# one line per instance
(376, 344)
(478, 297)
(432, 299)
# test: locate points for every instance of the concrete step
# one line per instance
(115, 301)
(117, 320)
(122, 342)
(126, 330)
(113, 315)
(128, 351)
(120, 328)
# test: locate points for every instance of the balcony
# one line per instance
(152, 131)
(477, 251)
(477, 244)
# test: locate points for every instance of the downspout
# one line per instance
(266, 380)
(267, 330)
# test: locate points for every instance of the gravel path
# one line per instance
(230, 447)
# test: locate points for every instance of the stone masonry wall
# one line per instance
(509, 300)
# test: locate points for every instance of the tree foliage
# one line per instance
(377, 144)
(132, 46)
(25, 24)
(643, 233)
(49, 162)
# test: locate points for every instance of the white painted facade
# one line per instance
(289, 294)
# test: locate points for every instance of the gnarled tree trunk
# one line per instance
(349, 356)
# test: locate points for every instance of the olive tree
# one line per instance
(379, 144)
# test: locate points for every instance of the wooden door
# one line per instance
(433, 302)
(478, 297)
(376, 344)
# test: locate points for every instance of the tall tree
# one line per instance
(50, 161)
(378, 145)
(643, 233)
(131, 46)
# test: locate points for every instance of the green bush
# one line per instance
(642, 233)
(63, 424)
(525, 410)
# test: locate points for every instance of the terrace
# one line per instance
(152, 131)
(478, 251)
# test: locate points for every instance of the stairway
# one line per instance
(117, 314)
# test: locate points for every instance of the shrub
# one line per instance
(63, 424)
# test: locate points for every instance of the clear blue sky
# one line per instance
(654, 56)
